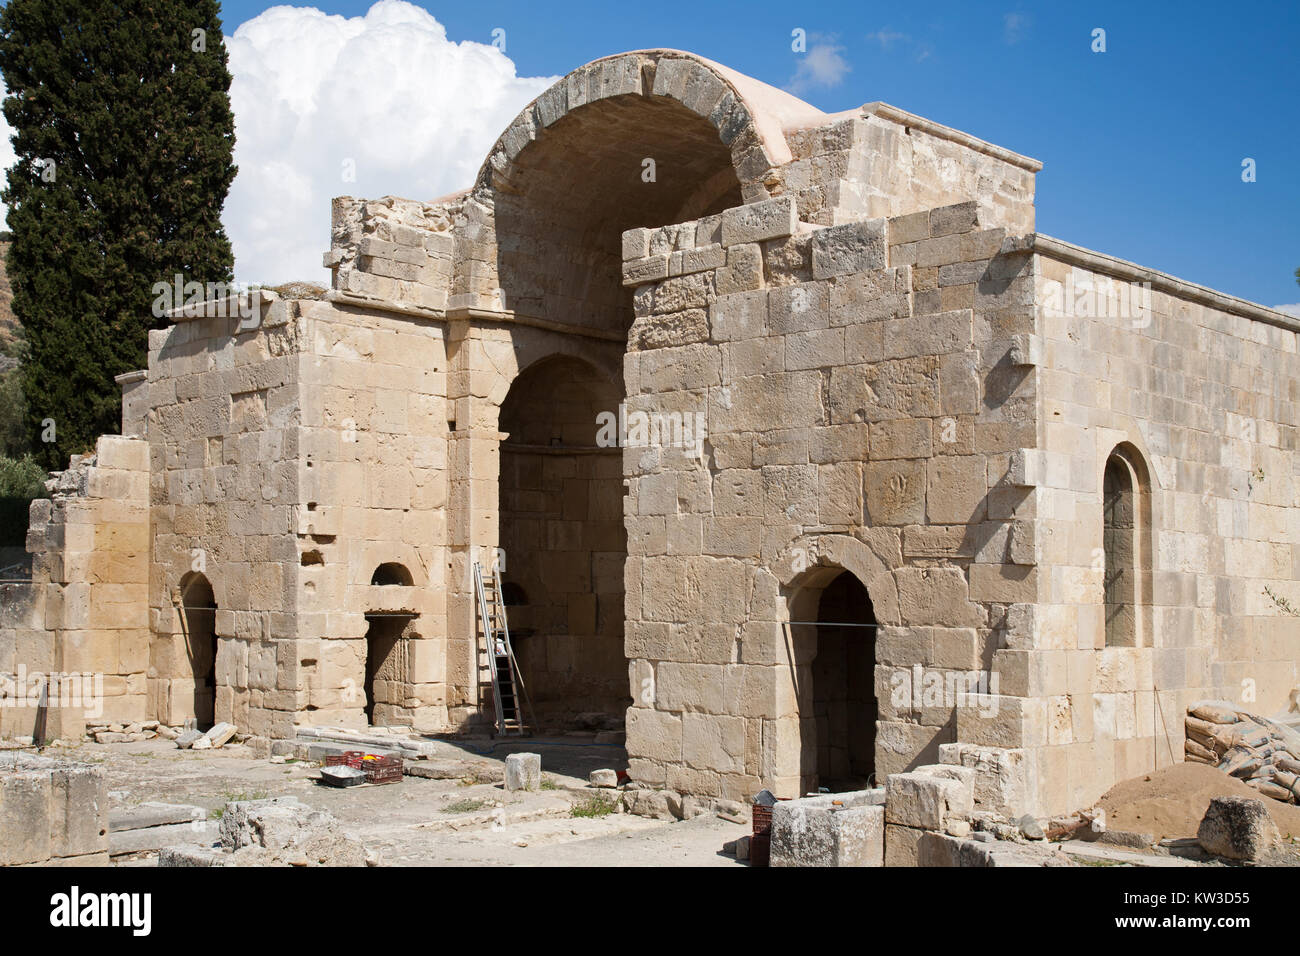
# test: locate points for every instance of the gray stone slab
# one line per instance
(155, 838)
(153, 815)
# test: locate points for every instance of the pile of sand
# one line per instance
(1169, 803)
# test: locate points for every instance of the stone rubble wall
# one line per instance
(393, 250)
(84, 617)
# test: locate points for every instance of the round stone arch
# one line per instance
(638, 140)
(1127, 517)
(706, 89)
(811, 567)
(811, 561)
(561, 535)
(532, 347)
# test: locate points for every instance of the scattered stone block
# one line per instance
(153, 815)
(603, 778)
(524, 771)
(186, 739)
(742, 848)
(841, 829)
(1238, 828)
(922, 801)
(220, 734)
(193, 856)
(655, 804)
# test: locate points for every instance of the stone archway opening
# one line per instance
(386, 680)
(199, 618)
(646, 161)
(563, 541)
(390, 626)
(833, 627)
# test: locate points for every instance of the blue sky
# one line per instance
(1142, 144)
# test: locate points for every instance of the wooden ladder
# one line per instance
(507, 683)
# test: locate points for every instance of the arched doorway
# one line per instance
(833, 624)
(563, 541)
(199, 620)
(388, 630)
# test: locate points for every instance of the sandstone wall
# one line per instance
(84, 618)
(225, 405)
(373, 480)
(885, 162)
(864, 410)
(1207, 399)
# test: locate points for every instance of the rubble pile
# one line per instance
(280, 831)
(1263, 753)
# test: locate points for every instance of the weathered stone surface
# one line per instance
(1238, 828)
(656, 804)
(603, 778)
(843, 829)
(283, 831)
(843, 250)
(523, 771)
(924, 801)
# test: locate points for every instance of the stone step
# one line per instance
(406, 745)
(153, 815)
(202, 833)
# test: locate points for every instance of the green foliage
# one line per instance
(21, 480)
(598, 805)
(468, 805)
(13, 413)
(138, 127)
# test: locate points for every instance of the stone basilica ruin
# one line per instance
(805, 458)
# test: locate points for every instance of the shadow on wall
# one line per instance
(564, 541)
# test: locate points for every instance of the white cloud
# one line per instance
(412, 112)
(887, 37)
(387, 94)
(821, 67)
(1293, 309)
(1014, 26)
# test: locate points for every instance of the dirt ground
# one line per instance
(425, 822)
(1170, 803)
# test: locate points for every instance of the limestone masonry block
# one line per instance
(524, 771)
(847, 249)
(756, 222)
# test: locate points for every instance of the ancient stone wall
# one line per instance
(1204, 402)
(373, 474)
(79, 631)
(225, 404)
(882, 161)
(861, 413)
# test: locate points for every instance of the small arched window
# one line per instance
(391, 573)
(1125, 525)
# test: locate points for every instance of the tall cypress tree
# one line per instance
(124, 137)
